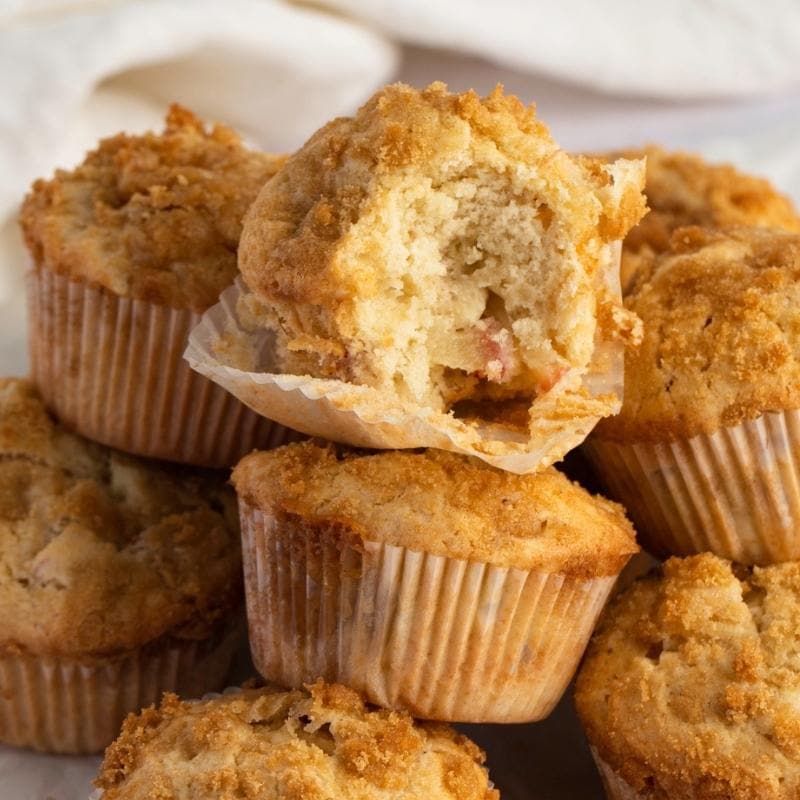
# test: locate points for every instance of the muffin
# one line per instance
(689, 686)
(128, 249)
(323, 742)
(438, 261)
(119, 580)
(430, 582)
(704, 452)
(683, 189)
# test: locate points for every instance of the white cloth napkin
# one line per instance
(652, 48)
(273, 70)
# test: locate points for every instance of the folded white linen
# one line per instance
(654, 48)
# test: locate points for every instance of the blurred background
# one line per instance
(720, 77)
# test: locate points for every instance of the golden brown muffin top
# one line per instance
(690, 684)
(156, 217)
(441, 503)
(290, 745)
(683, 189)
(102, 552)
(296, 228)
(721, 314)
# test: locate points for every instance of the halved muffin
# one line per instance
(119, 579)
(427, 262)
(428, 581)
(437, 246)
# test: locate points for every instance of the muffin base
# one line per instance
(241, 361)
(735, 492)
(110, 367)
(441, 638)
(71, 706)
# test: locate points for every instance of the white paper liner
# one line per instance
(441, 638)
(61, 705)
(362, 416)
(735, 493)
(110, 367)
(616, 788)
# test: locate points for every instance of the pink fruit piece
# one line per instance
(496, 345)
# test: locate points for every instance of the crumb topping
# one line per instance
(721, 314)
(439, 247)
(690, 685)
(683, 189)
(318, 744)
(102, 552)
(441, 503)
(155, 217)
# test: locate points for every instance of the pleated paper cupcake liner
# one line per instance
(220, 348)
(110, 367)
(616, 788)
(441, 638)
(61, 705)
(735, 493)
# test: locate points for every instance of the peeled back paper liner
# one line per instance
(616, 788)
(441, 638)
(735, 492)
(110, 367)
(61, 705)
(220, 348)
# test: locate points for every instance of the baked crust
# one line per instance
(101, 552)
(294, 745)
(398, 249)
(156, 217)
(689, 685)
(416, 499)
(683, 189)
(721, 313)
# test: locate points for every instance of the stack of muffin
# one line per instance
(434, 275)
(121, 575)
(689, 687)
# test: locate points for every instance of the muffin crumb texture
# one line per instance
(441, 248)
(441, 503)
(690, 685)
(259, 744)
(156, 217)
(721, 312)
(101, 552)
